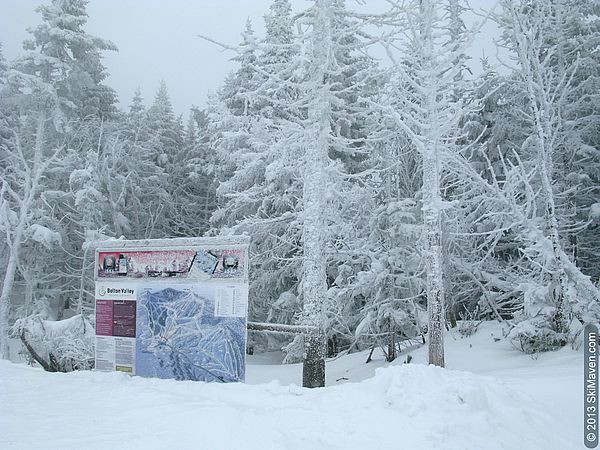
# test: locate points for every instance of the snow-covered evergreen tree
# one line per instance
(70, 59)
(259, 171)
(427, 107)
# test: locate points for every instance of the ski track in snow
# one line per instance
(499, 399)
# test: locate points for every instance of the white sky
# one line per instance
(157, 39)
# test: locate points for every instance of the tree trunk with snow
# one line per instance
(314, 281)
(32, 173)
(428, 109)
(313, 367)
(11, 270)
(9, 277)
(432, 200)
(433, 254)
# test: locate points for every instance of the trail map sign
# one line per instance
(173, 308)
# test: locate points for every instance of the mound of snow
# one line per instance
(401, 407)
(45, 236)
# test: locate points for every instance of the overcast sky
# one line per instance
(157, 39)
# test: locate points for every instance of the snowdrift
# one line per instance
(412, 406)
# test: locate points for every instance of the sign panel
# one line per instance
(115, 326)
(168, 310)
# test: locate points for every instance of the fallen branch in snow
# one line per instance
(47, 366)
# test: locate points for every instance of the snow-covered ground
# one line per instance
(490, 397)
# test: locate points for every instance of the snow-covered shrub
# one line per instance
(467, 328)
(535, 330)
(260, 342)
(469, 323)
(536, 336)
(294, 351)
(58, 346)
(285, 308)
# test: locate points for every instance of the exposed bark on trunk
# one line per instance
(391, 350)
(435, 296)
(313, 368)
(433, 261)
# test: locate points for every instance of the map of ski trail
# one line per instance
(180, 337)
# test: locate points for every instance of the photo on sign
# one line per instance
(230, 263)
(199, 264)
(145, 264)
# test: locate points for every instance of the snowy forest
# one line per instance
(390, 190)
